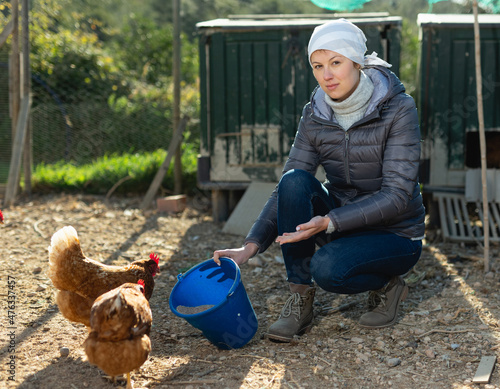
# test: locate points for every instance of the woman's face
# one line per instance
(337, 75)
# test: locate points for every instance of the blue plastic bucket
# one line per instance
(227, 319)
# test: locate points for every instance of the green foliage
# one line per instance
(409, 58)
(74, 60)
(146, 50)
(99, 176)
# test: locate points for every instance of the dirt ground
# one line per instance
(448, 323)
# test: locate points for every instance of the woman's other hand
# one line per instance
(240, 255)
(305, 231)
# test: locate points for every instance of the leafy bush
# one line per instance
(100, 176)
(74, 63)
(145, 51)
(99, 90)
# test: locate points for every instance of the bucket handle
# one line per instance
(236, 282)
(237, 279)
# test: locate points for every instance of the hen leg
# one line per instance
(129, 382)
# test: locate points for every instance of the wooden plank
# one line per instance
(287, 91)
(465, 212)
(451, 217)
(489, 67)
(260, 84)
(26, 89)
(217, 92)
(440, 68)
(17, 152)
(484, 370)
(220, 208)
(6, 32)
(15, 85)
(496, 217)
(260, 145)
(246, 146)
(232, 89)
(454, 113)
(153, 188)
(442, 217)
(204, 53)
(248, 208)
(246, 96)
(273, 83)
(458, 213)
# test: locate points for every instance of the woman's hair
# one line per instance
(355, 64)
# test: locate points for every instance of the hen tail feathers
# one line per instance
(64, 245)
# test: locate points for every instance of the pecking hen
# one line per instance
(80, 280)
(120, 322)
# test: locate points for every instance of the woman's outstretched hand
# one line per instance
(305, 231)
(240, 255)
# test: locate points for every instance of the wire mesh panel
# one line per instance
(91, 126)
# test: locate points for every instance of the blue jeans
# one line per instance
(346, 262)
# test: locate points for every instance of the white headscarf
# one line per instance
(344, 38)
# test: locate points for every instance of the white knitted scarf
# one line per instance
(352, 109)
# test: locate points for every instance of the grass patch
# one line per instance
(99, 176)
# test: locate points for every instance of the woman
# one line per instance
(367, 217)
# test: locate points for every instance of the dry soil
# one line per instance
(448, 323)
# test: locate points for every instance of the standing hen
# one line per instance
(120, 322)
(1, 217)
(80, 280)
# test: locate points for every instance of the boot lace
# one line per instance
(293, 305)
(377, 298)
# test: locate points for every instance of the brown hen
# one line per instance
(120, 322)
(80, 280)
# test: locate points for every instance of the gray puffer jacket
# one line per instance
(371, 169)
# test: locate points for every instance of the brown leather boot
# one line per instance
(296, 316)
(386, 312)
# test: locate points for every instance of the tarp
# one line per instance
(340, 5)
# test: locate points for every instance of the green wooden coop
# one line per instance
(447, 102)
(254, 81)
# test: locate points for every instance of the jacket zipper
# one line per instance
(373, 115)
(346, 158)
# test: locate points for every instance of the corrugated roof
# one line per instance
(457, 19)
(296, 22)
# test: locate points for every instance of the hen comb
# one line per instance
(1, 217)
(141, 283)
(154, 257)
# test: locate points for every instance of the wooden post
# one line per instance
(28, 156)
(482, 139)
(6, 32)
(15, 76)
(174, 143)
(17, 147)
(177, 93)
